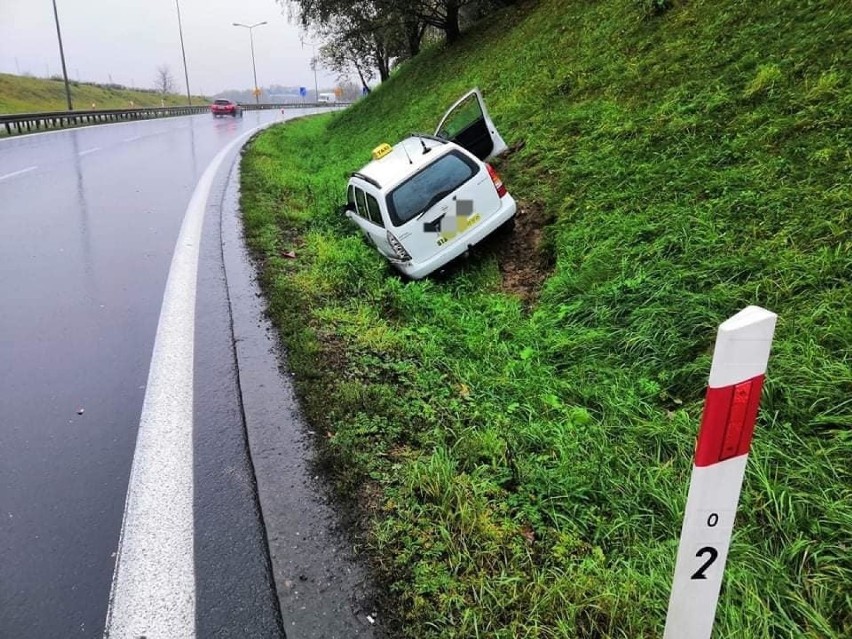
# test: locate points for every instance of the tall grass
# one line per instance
(524, 469)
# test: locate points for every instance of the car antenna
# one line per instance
(426, 149)
(406, 153)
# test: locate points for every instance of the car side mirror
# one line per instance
(344, 209)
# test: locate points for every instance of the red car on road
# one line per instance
(226, 107)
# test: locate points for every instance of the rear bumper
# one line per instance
(419, 270)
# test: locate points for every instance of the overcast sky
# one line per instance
(129, 39)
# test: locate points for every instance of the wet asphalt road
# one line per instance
(88, 223)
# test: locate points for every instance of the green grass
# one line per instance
(20, 94)
(523, 468)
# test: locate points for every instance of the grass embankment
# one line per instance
(524, 460)
(20, 94)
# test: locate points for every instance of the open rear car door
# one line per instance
(468, 124)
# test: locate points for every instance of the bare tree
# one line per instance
(385, 30)
(441, 14)
(376, 35)
(164, 82)
(360, 39)
(341, 58)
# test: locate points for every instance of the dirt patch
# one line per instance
(333, 352)
(524, 262)
(370, 498)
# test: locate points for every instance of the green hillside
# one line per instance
(518, 434)
(20, 94)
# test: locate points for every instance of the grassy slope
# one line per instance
(526, 469)
(25, 95)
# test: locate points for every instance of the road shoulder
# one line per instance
(323, 588)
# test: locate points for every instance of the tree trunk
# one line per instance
(384, 68)
(381, 59)
(360, 75)
(413, 35)
(451, 23)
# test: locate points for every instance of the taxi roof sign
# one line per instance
(381, 151)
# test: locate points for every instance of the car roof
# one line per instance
(395, 166)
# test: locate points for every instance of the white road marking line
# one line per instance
(87, 151)
(133, 139)
(153, 586)
(21, 172)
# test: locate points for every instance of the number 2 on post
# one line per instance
(707, 550)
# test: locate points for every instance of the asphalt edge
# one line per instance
(348, 603)
(231, 190)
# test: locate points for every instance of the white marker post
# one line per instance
(730, 411)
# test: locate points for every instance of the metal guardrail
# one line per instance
(28, 122)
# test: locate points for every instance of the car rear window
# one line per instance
(222, 102)
(428, 186)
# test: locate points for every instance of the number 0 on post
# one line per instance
(727, 425)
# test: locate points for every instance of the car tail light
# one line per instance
(398, 248)
(498, 183)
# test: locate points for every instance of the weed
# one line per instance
(764, 81)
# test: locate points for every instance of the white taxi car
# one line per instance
(430, 198)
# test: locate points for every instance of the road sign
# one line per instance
(730, 410)
(256, 92)
(303, 91)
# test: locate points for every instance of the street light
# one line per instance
(251, 27)
(62, 55)
(314, 67)
(183, 53)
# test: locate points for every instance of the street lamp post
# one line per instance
(251, 27)
(62, 56)
(314, 67)
(183, 53)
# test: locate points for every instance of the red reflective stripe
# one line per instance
(736, 419)
(727, 424)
